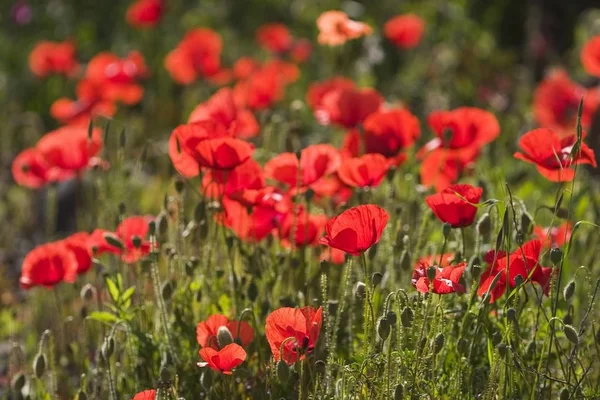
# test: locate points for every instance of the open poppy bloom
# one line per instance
(185, 138)
(590, 56)
(78, 244)
(551, 154)
(30, 170)
(197, 55)
(264, 86)
(224, 360)
(301, 50)
(48, 265)
(206, 331)
(555, 236)
(335, 28)
(362, 172)
(256, 224)
(446, 278)
(221, 108)
(132, 232)
(145, 13)
(218, 183)
(318, 90)
(303, 229)
(455, 205)
(223, 153)
(89, 103)
(331, 189)
(434, 259)
(274, 37)
(356, 229)
(49, 58)
(149, 394)
(296, 329)
(556, 100)
(390, 131)
(404, 31)
(347, 107)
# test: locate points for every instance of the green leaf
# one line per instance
(103, 316)
(113, 290)
(126, 297)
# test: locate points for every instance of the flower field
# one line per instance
(299, 200)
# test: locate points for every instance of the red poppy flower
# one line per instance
(48, 265)
(441, 168)
(302, 229)
(30, 170)
(366, 171)
(556, 100)
(555, 236)
(356, 229)
(224, 360)
(48, 58)
(335, 28)
(404, 31)
(98, 245)
(331, 189)
(248, 175)
(89, 103)
(149, 394)
(446, 278)
(78, 244)
(347, 107)
(303, 325)
(301, 50)
(274, 37)
(223, 153)
(391, 131)
(455, 205)
(318, 90)
(222, 109)
(145, 13)
(260, 90)
(590, 56)
(244, 67)
(69, 148)
(551, 155)
(434, 259)
(334, 256)
(197, 55)
(253, 225)
(316, 161)
(206, 331)
(129, 231)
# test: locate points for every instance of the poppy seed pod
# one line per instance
(39, 365)
(555, 256)
(569, 290)
(571, 334)
(407, 316)
(224, 336)
(484, 225)
(283, 371)
(360, 290)
(438, 343)
(383, 328)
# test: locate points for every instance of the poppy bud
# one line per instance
(360, 290)
(438, 343)
(113, 240)
(392, 318)
(320, 366)
(519, 280)
(122, 208)
(198, 296)
(502, 349)
(17, 383)
(431, 271)
(252, 291)
(179, 185)
(376, 278)
(136, 241)
(81, 395)
(108, 348)
(405, 261)
(526, 222)
(422, 344)
(407, 316)
(511, 314)
(167, 290)
(39, 365)
(200, 212)
(462, 346)
(564, 394)
(152, 228)
(206, 379)
(283, 371)
(224, 336)
(446, 228)
(571, 334)
(475, 271)
(383, 328)
(399, 392)
(496, 338)
(88, 292)
(562, 213)
(568, 319)
(229, 241)
(332, 306)
(163, 224)
(569, 290)
(597, 336)
(484, 225)
(555, 256)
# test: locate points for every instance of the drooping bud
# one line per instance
(39, 365)
(511, 314)
(167, 290)
(569, 290)
(496, 338)
(108, 348)
(283, 371)
(88, 292)
(376, 278)
(224, 336)
(564, 394)
(152, 228)
(81, 395)
(568, 319)
(502, 349)
(165, 374)
(252, 291)
(360, 290)
(438, 343)
(179, 185)
(399, 392)
(526, 222)
(556, 256)
(484, 225)
(405, 261)
(571, 334)
(206, 379)
(407, 316)
(392, 318)
(462, 346)
(383, 328)
(17, 383)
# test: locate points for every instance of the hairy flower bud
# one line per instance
(569, 290)
(360, 290)
(283, 371)
(571, 334)
(39, 365)
(407, 316)
(383, 328)
(438, 343)
(224, 336)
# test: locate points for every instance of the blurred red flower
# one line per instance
(49, 58)
(221, 108)
(555, 236)
(334, 256)
(224, 360)
(218, 183)
(455, 205)
(335, 28)
(331, 189)
(29, 169)
(446, 278)
(301, 50)
(244, 67)
(132, 232)
(551, 154)
(274, 37)
(48, 265)
(89, 103)
(434, 259)
(222, 153)
(347, 107)
(590, 56)
(356, 229)
(78, 244)
(318, 90)
(301, 229)
(302, 325)
(197, 55)
(145, 13)
(404, 31)
(362, 172)
(206, 331)
(257, 223)
(149, 394)
(390, 131)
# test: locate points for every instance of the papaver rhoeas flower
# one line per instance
(551, 155)
(255, 224)
(332, 255)
(78, 244)
(117, 78)
(356, 229)
(443, 167)
(318, 90)
(248, 175)
(145, 13)
(274, 37)
(149, 394)
(434, 259)
(302, 229)
(48, 265)
(390, 131)
(347, 107)
(265, 86)
(404, 31)
(446, 278)
(30, 170)
(224, 360)
(302, 325)
(331, 189)
(556, 100)
(197, 55)
(301, 50)
(316, 161)
(89, 103)
(222, 109)
(555, 236)
(590, 56)
(132, 232)
(48, 58)
(335, 28)
(223, 153)
(207, 331)
(362, 172)
(455, 205)
(244, 67)
(183, 142)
